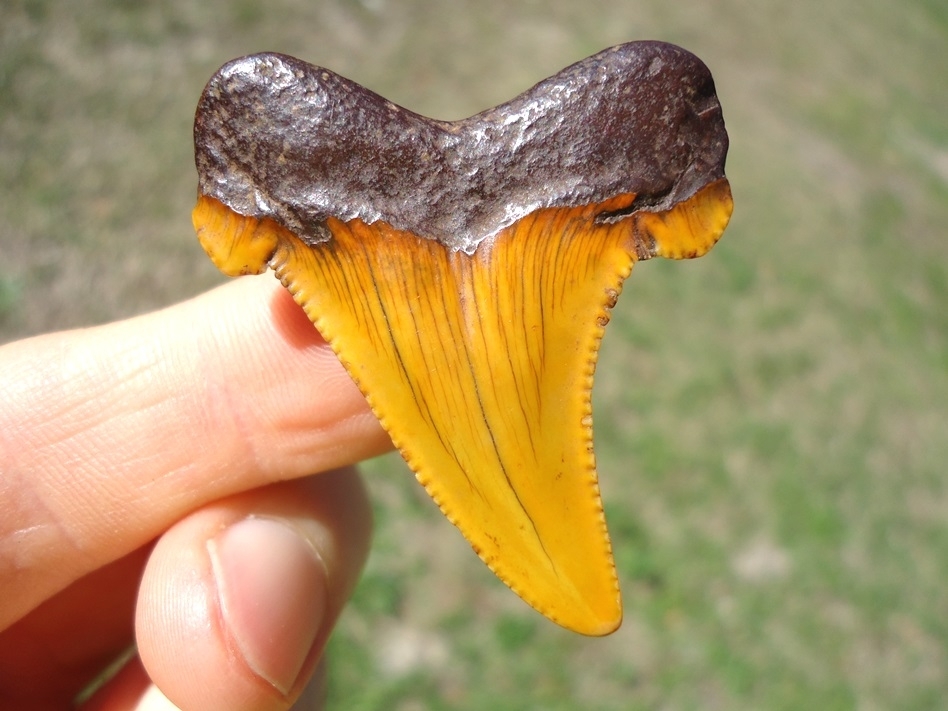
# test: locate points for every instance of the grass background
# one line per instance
(771, 420)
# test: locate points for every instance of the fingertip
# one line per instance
(295, 402)
(291, 322)
(271, 586)
(239, 598)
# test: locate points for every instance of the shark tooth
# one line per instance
(464, 272)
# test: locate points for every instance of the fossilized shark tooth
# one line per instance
(464, 272)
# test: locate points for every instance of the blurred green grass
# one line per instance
(771, 420)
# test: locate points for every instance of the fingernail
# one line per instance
(272, 589)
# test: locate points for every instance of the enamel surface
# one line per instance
(481, 368)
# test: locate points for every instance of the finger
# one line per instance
(109, 434)
(51, 654)
(132, 690)
(239, 598)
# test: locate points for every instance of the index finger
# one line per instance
(110, 434)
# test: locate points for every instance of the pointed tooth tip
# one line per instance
(592, 622)
(603, 627)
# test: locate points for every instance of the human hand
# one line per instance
(154, 487)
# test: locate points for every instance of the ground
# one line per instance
(771, 420)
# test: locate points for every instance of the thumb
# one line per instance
(239, 598)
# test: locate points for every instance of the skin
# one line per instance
(157, 487)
